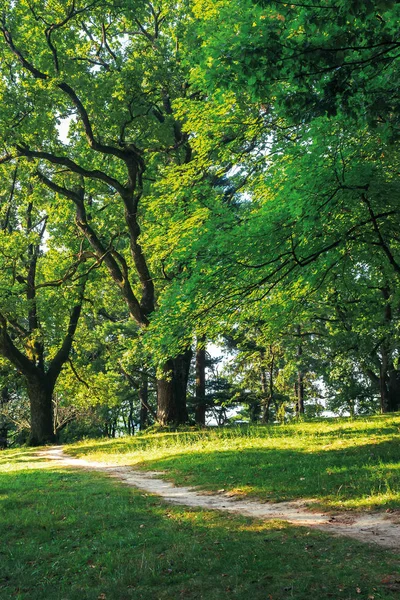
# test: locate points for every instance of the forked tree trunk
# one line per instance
(171, 390)
(40, 393)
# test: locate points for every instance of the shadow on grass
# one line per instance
(78, 535)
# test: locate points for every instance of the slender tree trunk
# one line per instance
(171, 390)
(40, 393)
(266, 402)
(300, 393)
(266, 408)
(200, 410)
(299, 386)
(144, 401)
(268, 390)
(382, 382)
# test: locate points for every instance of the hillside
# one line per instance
(342, 463)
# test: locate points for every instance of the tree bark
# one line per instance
(394, 390)
(389, 384)
(171, 390)
(200, 409)
(40, 393)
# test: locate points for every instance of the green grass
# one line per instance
(76, 535)
(343, 464)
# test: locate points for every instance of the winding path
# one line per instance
(379, 528)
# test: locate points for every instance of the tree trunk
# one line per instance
(389, 377)
(394, 390)
(299, 387)
(144, 401)
(389, 384)
(254, 411)
(266, 398)
(200, 410)
(300, 394)
(4, 399)
(265, 414)
(171, 390)
(40, 394)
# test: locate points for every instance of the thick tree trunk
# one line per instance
(394, 390)
(4, 399)
(171, 391)
(389, 384)
(40, 394)
(389, 377)
(200, 409)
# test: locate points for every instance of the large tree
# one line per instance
(112, 70)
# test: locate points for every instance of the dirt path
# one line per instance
(378, 528)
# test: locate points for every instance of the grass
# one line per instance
(76, 535)
(342, 464)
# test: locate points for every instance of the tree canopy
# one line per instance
(196, 170)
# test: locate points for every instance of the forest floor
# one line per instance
(372, 527)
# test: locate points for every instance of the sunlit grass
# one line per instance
(75, 535)
(340, 463)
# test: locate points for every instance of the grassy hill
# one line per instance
(342, 463)
(69, 534)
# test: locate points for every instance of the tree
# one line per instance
(112, 70)
(37, 331)
(320, 205)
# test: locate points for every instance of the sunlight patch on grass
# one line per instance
(339, 462)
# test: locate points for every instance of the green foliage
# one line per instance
(226, 165)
